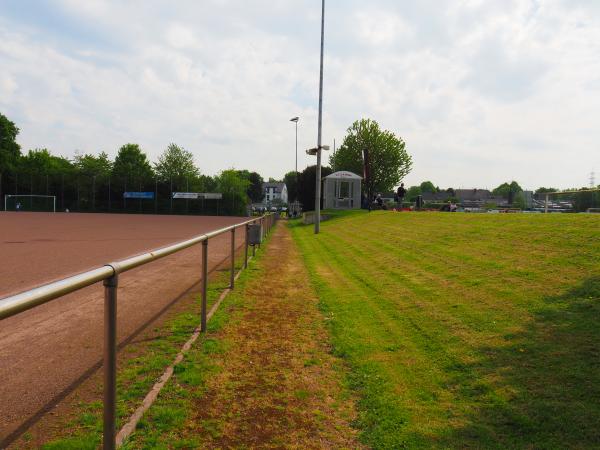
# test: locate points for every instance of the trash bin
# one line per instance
(254, 234)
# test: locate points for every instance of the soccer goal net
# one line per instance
(582, 200)
(30, 202)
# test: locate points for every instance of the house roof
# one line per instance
(439, 196)
(277, 186)
(472, 194)
(344, 175)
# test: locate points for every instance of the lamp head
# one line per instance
(294, 119)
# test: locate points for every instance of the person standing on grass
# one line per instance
(401, 192)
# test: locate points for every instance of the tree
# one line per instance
(389, 162)
(176, 164)
(291, 181)
(132, 164)
(412, 193)
(255, 190)
(543, 190)
(233, 186)
(42, 162)
(10, 151)
(93, 166)
(508, 191)
(428, 186)
(307, 185)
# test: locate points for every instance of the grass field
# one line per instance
(477, 331)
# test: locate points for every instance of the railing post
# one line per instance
(246, 248)
(232, 274)
(254, 245)
(204, 285)
(110, 360)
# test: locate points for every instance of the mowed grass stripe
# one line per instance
(434, 265)
(392, 351)
(451, 346)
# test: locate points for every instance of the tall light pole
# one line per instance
(296, 119)
(318, 174)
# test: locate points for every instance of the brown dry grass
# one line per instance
(277, 385)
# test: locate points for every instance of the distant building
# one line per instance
(434, 197)
(275, 191)
(478, 198)
(341, 190)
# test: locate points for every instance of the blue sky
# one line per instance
(481, 91)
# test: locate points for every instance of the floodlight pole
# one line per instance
(297, 188)
(296, 119)
(318, 174)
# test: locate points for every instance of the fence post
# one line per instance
(204, 285)
(232, 274)
(246, 248)
(110, 360)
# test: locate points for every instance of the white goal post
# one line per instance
(7, 196)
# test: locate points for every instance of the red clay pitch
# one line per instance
(44, 350)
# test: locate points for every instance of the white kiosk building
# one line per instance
(341, 190)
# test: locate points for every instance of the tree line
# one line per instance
(94, 182)
(511, 191)
(91, 182)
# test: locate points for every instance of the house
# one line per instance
(275, 191)
(436, 197)
(477, 198)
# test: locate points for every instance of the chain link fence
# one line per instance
(107, 194)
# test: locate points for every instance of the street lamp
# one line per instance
(313, 151)
(296, 119)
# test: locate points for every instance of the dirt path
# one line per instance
(277, 385)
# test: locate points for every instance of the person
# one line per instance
(379, 200)
(18, 206)
(400, 193)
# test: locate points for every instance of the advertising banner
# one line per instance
(198, 195)
(186, 195)
(142, 195)
(211, 196)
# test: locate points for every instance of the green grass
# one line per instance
(476, 331)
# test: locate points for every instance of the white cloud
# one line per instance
(481, 91)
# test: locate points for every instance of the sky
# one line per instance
(482, 92)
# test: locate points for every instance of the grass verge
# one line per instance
(140, 365)
(264, 378)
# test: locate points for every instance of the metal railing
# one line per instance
(109, 275)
